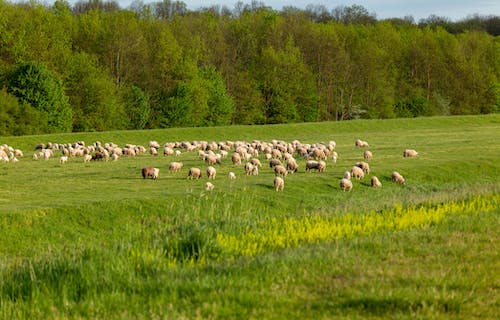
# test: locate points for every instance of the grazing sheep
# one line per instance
(256, 162)
(236, 158)
(364, 166)
(34, 157)
(357, 172)
(211, 172)
(167, 151)
(360, 143)
(367, 155)
(249, 168)
(114, 157)
(177, 153)
(396, 177)
(209, 186)
(153, 151)
(347, 175)
(232, 176)
(410, 153)
(150, 172)
(274, 162)
(317, 165)
(194, 173)
(345, 184)
(63, 159)
(280, 170)
(175, 166)
(292, 166)
(375, 182)
(279, 183)
(212, 159)
(88, 157)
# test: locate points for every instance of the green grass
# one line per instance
(96, 240)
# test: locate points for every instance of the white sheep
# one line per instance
(398, 178)
(279, 183)
(360, 143)
(88, 157)
(211, 172)
(367, 155)
(175, 166)
(249, 168)
(347, 175)
(345, 184)
(375, 182)
(232, 176)
(209, 186)
(364, 166)
(410, 153)
(63, 159)
(194, 173)
(280, 170)
(357, 172)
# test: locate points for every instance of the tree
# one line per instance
(138, 108)
(32, 83)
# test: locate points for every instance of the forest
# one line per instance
(94, 66)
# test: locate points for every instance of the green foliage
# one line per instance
(248, 65)
(32, 83)
(138, 108)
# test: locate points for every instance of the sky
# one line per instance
(452, 9)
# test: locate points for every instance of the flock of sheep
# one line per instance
(280, 155)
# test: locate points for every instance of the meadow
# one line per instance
(96, 240)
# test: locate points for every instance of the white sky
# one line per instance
(452, 9)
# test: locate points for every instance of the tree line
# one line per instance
(96, 66)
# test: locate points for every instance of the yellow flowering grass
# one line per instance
(282, 232)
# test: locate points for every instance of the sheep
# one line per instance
(256, 162)
(280, 170)
(345, 184)
(274, 162)
(367, 155)
(209, 186)
(63, 159)
(317, 165)
(410, 153)
(249, 167)
(375, 182)
(35, 156)
(360, 143)
(364, 166)
(279, 183)
(177, 153)
(398, 178)
(231, 176)
(167, 151)
(150, 172)
(347, 175)
(87, 157)
(175, 166)
(212, 159)
(194, 173)
(292, 166)
(357, 172)
(153, 151)
(236, 158)
(211, 172)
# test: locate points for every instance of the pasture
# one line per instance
(96, 240)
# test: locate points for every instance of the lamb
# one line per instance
(375, 182)
(357, 172)
(63, 159)
(175, 166)
(232, 176)
(410, 153)
(194, 173)
(280, 170)
(279, 183)
(150, 172)
(211, 172)
(345, 184)
(367, 155)
(398, 178)
(209, 186)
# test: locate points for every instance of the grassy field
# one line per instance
(96, 240)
